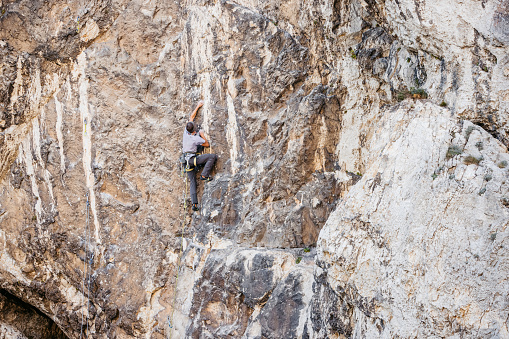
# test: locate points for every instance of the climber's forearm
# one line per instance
(193, 115)
(206, 143)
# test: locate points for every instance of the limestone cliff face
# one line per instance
(360, 189)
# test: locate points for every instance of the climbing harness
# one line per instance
(86, 269)
(188, 161)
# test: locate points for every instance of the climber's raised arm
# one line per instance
(193, 115)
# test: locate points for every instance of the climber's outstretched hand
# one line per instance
(193, 115)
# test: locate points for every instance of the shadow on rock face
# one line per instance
(19, 319)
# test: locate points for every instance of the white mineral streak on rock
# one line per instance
(86, 119)
(36, 135)
(35, 90)
(232, 134)
(348, 145)
(167, 47)
(202, 58)
(72, 295)
(148, 313)
(60, 134)
(192, 264)
(414, 236)
(182, 303)
(51, 86)
(25, 152)
(68, 89)
(207, 101)
(305, 272)
(327, 12)
(18, 83)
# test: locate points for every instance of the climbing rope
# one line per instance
(85, 268)
(171, 319)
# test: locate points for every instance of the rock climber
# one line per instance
(190, 142)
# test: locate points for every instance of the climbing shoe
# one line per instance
(195, 207)
(206, 178)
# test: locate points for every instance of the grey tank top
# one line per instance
(191, 142)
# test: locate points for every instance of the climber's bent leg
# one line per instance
(208, 160)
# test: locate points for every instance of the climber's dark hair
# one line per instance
(190, 127)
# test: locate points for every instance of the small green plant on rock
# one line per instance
(443, 104)
(488, 177)
(298, 260)
(306, 250)
(482, 191)
(352, 54)
(402, 95)
(453, 151)
(502, 164)
(471, 160)
(418, 93)
(493, 236)
(469, 131)
(479, 145)
(437, 172)
(452, 176)
(415, 93)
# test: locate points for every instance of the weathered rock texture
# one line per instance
(375, 131)
(20, 320)
(417, 248)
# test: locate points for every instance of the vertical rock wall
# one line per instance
(417, 248)
(384, 123)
